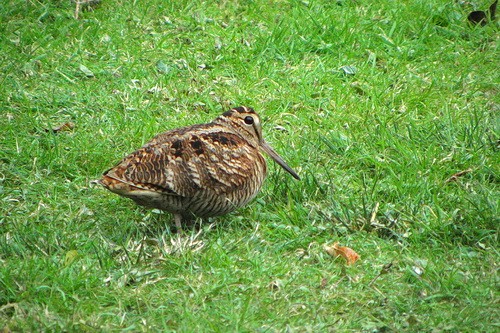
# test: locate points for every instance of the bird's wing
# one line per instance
(184, 162)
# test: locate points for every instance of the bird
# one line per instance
(202, 170)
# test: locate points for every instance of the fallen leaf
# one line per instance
(493, 10)
(417, 270)
(478, 17)
(205, 66)
(86, 71)
(70, 257)
(455, 176)
(162, 67)
(275, 285)
(280, 128)
(483, 17)
(343, 251)
(68, 126)
(348, 70)
(419, 267)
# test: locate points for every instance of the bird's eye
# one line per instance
(248, 120)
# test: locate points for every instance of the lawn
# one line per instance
(388, 110)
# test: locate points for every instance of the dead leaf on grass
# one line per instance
(70, 257)
(68, 126)
(479, 17)
(343, 251)
(275, 285)
(457, 175)
(85, 70)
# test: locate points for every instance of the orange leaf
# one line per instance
(343, 251)
(63, 127)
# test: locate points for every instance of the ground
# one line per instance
(388, 110)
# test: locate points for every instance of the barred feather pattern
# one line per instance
(202, 170)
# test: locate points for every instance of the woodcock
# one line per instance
(201, 170)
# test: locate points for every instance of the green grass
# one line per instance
(374, 143)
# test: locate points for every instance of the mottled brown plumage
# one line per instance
(201, 170)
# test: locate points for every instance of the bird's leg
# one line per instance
(178, 220)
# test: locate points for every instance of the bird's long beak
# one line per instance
(274, 155)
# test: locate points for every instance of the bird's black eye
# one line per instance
(248, 120)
